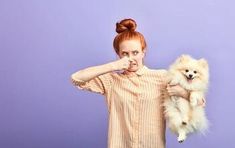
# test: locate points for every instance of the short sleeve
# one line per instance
(100, 84)
(164, 76)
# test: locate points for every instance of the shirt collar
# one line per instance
(142, 71)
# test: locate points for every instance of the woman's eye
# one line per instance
(135, 52)
(124, 54)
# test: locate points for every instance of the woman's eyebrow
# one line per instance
(125, 51)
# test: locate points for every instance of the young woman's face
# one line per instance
(133, 50)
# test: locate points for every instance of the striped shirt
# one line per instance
(134, 104)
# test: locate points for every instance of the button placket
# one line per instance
(137, 113)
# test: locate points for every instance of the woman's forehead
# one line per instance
(130, 45)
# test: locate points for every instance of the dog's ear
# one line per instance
(184, 58)
(203, 63)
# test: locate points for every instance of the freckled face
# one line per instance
(133, 50)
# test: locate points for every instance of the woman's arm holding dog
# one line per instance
(177, 90)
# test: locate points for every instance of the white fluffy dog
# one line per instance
(186, 116)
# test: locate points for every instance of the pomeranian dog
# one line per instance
(186, 116)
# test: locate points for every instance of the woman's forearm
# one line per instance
(91, 72)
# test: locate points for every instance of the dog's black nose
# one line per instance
(190, 76)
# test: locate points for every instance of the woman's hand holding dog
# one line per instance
(177, 90)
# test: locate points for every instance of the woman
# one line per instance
(132, 91)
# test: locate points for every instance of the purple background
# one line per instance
(43, 42)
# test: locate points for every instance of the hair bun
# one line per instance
(126, 25)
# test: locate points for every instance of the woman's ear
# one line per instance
(118, 56)
(144, 51)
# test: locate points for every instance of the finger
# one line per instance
(126, 66)
(171, 85)
(170, 93)
(164, 95)
(167, 86)
(201, 103)
(126, 59)
(170, 90)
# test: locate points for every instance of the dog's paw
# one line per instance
(181, 138)
(180, 141)
(184, 123)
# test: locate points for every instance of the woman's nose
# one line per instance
(131, 59)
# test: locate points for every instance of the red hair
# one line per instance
(126, 31)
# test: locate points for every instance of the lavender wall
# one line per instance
(43, 42)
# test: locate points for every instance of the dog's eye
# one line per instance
(195, 72)
(186, 70)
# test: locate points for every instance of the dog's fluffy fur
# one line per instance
(186, 116)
